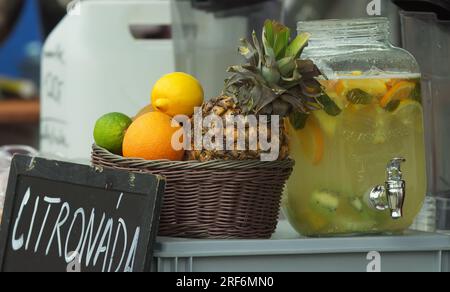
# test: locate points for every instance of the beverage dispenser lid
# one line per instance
(440, 7)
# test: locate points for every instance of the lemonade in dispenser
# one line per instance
(360, 161)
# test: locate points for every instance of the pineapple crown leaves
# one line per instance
(275, 80)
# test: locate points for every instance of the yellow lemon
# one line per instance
(177, 94)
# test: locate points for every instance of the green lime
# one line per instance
(110, 131)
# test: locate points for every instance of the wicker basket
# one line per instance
(215, 199)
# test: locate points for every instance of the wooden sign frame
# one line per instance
(150, 187)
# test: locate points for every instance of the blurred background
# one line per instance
(24, 26)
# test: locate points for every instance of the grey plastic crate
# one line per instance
(412, 252)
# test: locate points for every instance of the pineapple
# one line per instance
(274, 81)
(224, 106)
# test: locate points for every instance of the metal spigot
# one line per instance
(391, 195)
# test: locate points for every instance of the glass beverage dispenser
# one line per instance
(360, 162)
(426, 34)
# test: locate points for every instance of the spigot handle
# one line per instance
(391, 195)
(395, 188)
(393, 170)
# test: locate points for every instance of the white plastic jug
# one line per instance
(92, 65)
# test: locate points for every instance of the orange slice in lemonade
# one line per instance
(327, 123)
(399, 91)
(312, 140)
(316, 221)
(375, 87)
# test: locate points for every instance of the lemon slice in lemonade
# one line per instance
(327, 123)
(410, 114)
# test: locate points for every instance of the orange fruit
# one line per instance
(145, 110)
(150, 138)
(399, 91)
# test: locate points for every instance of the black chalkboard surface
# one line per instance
(62, 217)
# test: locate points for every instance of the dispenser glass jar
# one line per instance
(360, 162)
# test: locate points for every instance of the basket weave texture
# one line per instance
(215, 199)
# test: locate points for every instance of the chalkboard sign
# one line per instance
(62, 217)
